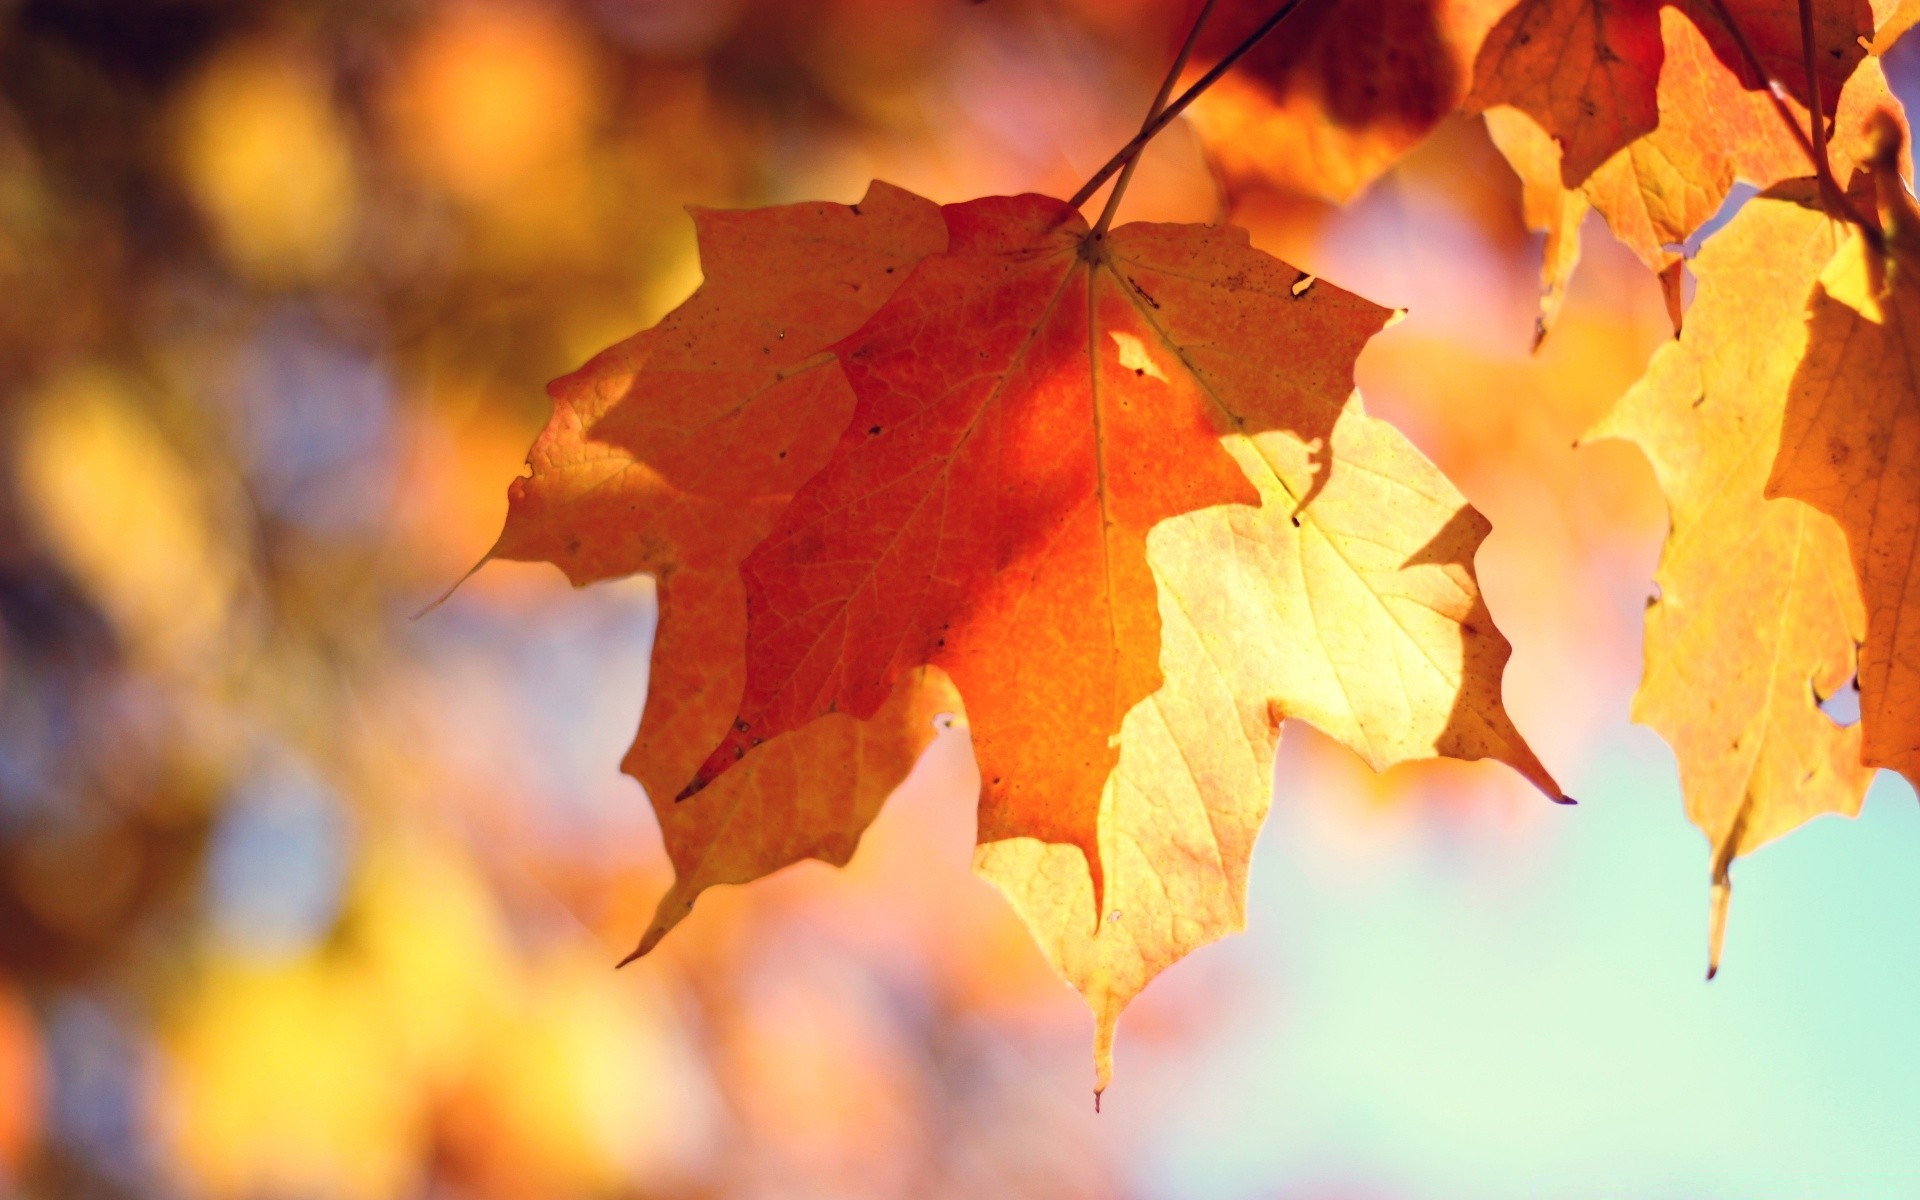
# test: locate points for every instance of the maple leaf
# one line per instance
(1661, 187)
(1350, 89)
(1053, 386)
(1358, 613)
(1850, 445)
(1031, 402)
(1891, 21)
(1590, 72)
(1545, 206)
(1758, 614)
(674, 452)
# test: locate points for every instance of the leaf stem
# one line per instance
(1815, 147)
(1159, 102)
(1816, 118)
(1179, 106)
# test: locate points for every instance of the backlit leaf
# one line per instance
(1361, 616)
(673, 453)
(1757, 614)
(1031, 403)
(1851, 447)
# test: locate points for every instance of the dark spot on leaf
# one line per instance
(742, 726)
(874, 431)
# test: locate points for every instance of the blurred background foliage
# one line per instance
(300, 897)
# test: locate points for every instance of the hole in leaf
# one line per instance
(1843, 707)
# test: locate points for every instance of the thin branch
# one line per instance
(1831, 195)
(1153, 110)
(1179, 106)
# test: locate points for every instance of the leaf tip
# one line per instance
(1717, 920)
(453, 587)
(659, 929)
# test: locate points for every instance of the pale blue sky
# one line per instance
(1527, 1017)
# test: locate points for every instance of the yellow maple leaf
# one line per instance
(1850, 446)
(1757, 615)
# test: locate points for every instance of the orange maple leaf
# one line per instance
(673, 453)
(1590, 71)
(1032, 402)
(1660, 188)
(1358, 613)
(1851, 445)
(1053, 384)
(1757, 615)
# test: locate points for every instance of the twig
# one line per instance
(1816, 117)
(1159, 102)
(1831, 195)
(1179, 106)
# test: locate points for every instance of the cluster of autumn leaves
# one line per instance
(1109, 499)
